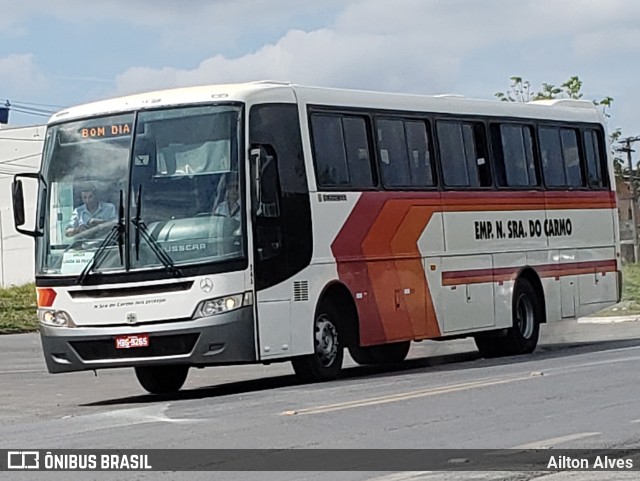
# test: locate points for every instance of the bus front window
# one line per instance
(174, 176)
(184, 170)
(85, 167)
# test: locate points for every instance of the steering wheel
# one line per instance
(92, 237)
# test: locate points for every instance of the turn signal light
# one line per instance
(46, 296)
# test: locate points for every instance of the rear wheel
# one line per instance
(522, 337)
(325, 363)
(382, 354)
(162, 379)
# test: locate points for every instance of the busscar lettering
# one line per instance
(519, 229)
(185, 248)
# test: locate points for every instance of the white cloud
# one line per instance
(321, 57)
(177, 26)
(20, 75)
(428, 46)
(416, 45)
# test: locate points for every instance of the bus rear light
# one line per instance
(46, 296)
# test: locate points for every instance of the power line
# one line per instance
(31, 113)
(25, 108)
(15, 139)
(31, 109)
(34, 103)
(16, 159)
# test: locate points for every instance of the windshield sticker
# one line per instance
(74, 262)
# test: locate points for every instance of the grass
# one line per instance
(18, 304)
(630, 304)
(631, 283)
(18, 309)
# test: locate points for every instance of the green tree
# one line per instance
(520, 91)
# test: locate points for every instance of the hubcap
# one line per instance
(524, 316)
(326, 340)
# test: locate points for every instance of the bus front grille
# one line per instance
(159, 346)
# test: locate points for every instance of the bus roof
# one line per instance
(275, 91)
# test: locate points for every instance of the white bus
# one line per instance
(360, 220)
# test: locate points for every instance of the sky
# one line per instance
(55, 54)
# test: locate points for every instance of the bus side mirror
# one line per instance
(19, 217)
(265, 175)
(18, 202)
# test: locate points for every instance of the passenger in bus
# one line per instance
(230, 206)
(91, 213)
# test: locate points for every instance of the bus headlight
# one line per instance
(211, 307)
(54, 318)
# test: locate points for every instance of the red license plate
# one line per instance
(130, 342)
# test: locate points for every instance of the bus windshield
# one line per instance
(147, 190)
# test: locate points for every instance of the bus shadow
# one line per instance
(442, 363)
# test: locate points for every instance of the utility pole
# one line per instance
(632, 187)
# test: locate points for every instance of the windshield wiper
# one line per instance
(116, 232)
(142, 230)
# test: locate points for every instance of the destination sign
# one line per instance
(115, 130)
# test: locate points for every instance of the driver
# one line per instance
(230, 206)
(91, 213)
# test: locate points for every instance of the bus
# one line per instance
(266, 221)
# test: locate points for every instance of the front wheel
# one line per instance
(162, 379)
(325, 363)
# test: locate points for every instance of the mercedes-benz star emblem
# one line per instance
(206, 284)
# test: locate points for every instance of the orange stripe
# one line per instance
(418, 303)
(376, 252)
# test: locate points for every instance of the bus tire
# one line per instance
(162, 379)
(361, 355)
(325, 363)
(522, 336)
(383, 354)
(490, 346)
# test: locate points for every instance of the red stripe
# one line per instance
(478, 276)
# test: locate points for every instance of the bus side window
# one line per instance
(392, 150)
(596, 161)
(419, 150)
(561, 159)
(341, 151)
(463, 154)
(571, 154)
(404, 153)
(515, 160)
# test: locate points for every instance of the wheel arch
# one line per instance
(348, 322)
(533, 278)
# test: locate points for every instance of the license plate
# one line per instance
(133, 341)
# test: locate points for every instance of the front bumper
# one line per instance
(226, 338)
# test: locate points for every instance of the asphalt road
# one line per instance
(578, 390)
